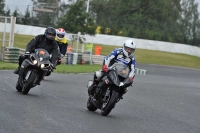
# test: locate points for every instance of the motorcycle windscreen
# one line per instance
(42, 55)
(113, 77)
(122, 70)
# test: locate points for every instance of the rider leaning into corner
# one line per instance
(123, 55)
(45, 41)
(62, 43)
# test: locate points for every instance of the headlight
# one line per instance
(35, 62)
(42, 65)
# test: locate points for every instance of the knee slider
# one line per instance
(98, 75)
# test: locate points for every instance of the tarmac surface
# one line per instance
(165, 100)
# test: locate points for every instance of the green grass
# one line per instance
(63, 68)
(159, 57)
(8, 66)
(21, 41)
(142, 56)
(166, 58)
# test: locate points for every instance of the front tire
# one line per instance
(48, 73)
(18, 86)
(109, 104)
(90, 105)
(29, 84)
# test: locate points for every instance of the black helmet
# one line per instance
(50, 33)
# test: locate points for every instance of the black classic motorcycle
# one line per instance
(110, 88)
(33, 69)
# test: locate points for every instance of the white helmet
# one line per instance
(129, 47)
(60, 32)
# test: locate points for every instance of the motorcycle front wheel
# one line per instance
(29, 83)
(109, 104)
(18, 86)
(90, 105)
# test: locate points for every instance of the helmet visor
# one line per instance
(129, 50)
(51, 36)
(60, 35)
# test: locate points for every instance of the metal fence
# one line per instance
(7, 25)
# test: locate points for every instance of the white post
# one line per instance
(87, 10)
(88, 3)
(91, 51)
(4, 34)
(3, 41)
(77, 43)
(83, 47)
(11, 38)
(79, 33)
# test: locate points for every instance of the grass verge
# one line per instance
(142, 56)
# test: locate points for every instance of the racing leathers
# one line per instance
(40, 41)
(115, 56)
(62, 44)
(62, 48)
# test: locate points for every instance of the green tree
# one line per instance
(2, 6)
(77, 20)
(190, 22)
(63, 9)
(18, 16)
(7, 12)
(164, 20)
(45, 12)
(26, 20)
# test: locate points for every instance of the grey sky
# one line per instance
(19, 4)
(22, 4)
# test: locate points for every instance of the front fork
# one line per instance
(106, 95)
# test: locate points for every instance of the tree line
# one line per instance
(175, 21)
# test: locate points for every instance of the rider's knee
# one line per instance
(21, 58)
(97, 75)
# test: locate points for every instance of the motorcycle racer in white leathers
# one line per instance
(123, 55)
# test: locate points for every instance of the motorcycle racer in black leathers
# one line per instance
(45, 41)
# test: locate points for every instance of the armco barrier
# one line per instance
(12, 54)
(79, 58)
(69, 58)
(95, 59)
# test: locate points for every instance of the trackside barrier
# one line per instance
(12, 54)
(75, 58)
(78, 58)
(140, 71)
(96, 59)
(67, 59)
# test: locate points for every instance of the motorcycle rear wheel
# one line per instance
(90, 105)
(110, 104)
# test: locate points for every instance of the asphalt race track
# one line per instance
(166, 100)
